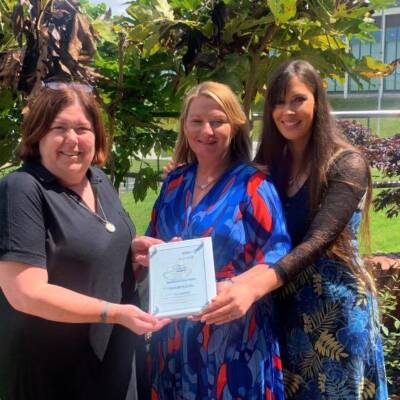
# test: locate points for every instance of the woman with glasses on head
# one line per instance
(68, 315)
(217, 193)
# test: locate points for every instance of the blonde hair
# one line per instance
(223, 95)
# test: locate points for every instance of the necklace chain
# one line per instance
(204, 186)
(110, 227)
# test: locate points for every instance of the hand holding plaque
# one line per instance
(182, 277)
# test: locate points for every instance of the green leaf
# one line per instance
(164, 9)
(325, 42)
(385, 330)
(368, 27)
(283, 10)
(382, 4)
(151, 45)
(6, 99)
(372, 68)
(104, 30)
(144, 178)
(186, 4)
(141, 13)
(140, 33)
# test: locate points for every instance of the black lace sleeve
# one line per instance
(347, 183)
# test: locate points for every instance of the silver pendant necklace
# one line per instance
(110, 227)
(204, 186)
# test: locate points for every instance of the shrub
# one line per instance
(388, 283)
(356, 133)
(383, 154)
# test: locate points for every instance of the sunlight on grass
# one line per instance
(385, 232)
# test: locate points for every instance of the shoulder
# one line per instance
(257, 181)
(181, 170)
(20, 191)
(349, 157)
(176, 177)
(348, 164)
(98, 174)
(248, 171)
(19, 181)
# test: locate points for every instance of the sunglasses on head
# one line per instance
(59, 85)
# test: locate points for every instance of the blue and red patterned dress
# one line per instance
(238, 360)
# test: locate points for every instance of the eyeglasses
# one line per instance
(59, 85)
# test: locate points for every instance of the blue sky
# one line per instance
(117, 6)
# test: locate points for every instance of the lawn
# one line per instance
(385, 233)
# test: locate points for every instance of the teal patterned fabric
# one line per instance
(330, 344)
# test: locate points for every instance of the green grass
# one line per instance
(155, 164)
(139, 212)
(388, 126)
(367, 102)
(385, 232)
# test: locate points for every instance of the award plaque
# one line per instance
(182, 277)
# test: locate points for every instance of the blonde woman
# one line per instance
(218, 193)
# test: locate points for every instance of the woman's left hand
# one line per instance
(140, 248)
(232, 302)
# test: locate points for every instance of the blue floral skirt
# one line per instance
(330, 338)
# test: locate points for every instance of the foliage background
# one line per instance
(142, 63)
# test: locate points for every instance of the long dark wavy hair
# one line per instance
(325, 143)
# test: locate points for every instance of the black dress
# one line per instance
(42, 224)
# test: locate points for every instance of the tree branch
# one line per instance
(255, 59)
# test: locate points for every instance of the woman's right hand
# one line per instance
(140, 249)
(135, 319)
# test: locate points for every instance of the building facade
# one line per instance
(386, 48)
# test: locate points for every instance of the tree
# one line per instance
(9, 103)
(43, 40)
(240, 42)
(55, 40)
(143, 63)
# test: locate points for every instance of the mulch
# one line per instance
(385, 260)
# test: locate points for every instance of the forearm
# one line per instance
(27, 290)
(347, 184)
(59, 304)
(261, 278)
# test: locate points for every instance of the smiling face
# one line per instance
(68, 148)
(294, 114)
(208, 130)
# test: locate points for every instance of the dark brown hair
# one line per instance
(223, 95)
(325, 144)
(45, 108)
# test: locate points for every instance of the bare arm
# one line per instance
(236, 296)
(27, 289)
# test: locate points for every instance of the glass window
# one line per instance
(389, 82)
(331, 85)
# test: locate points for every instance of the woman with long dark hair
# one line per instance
(331, 347)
